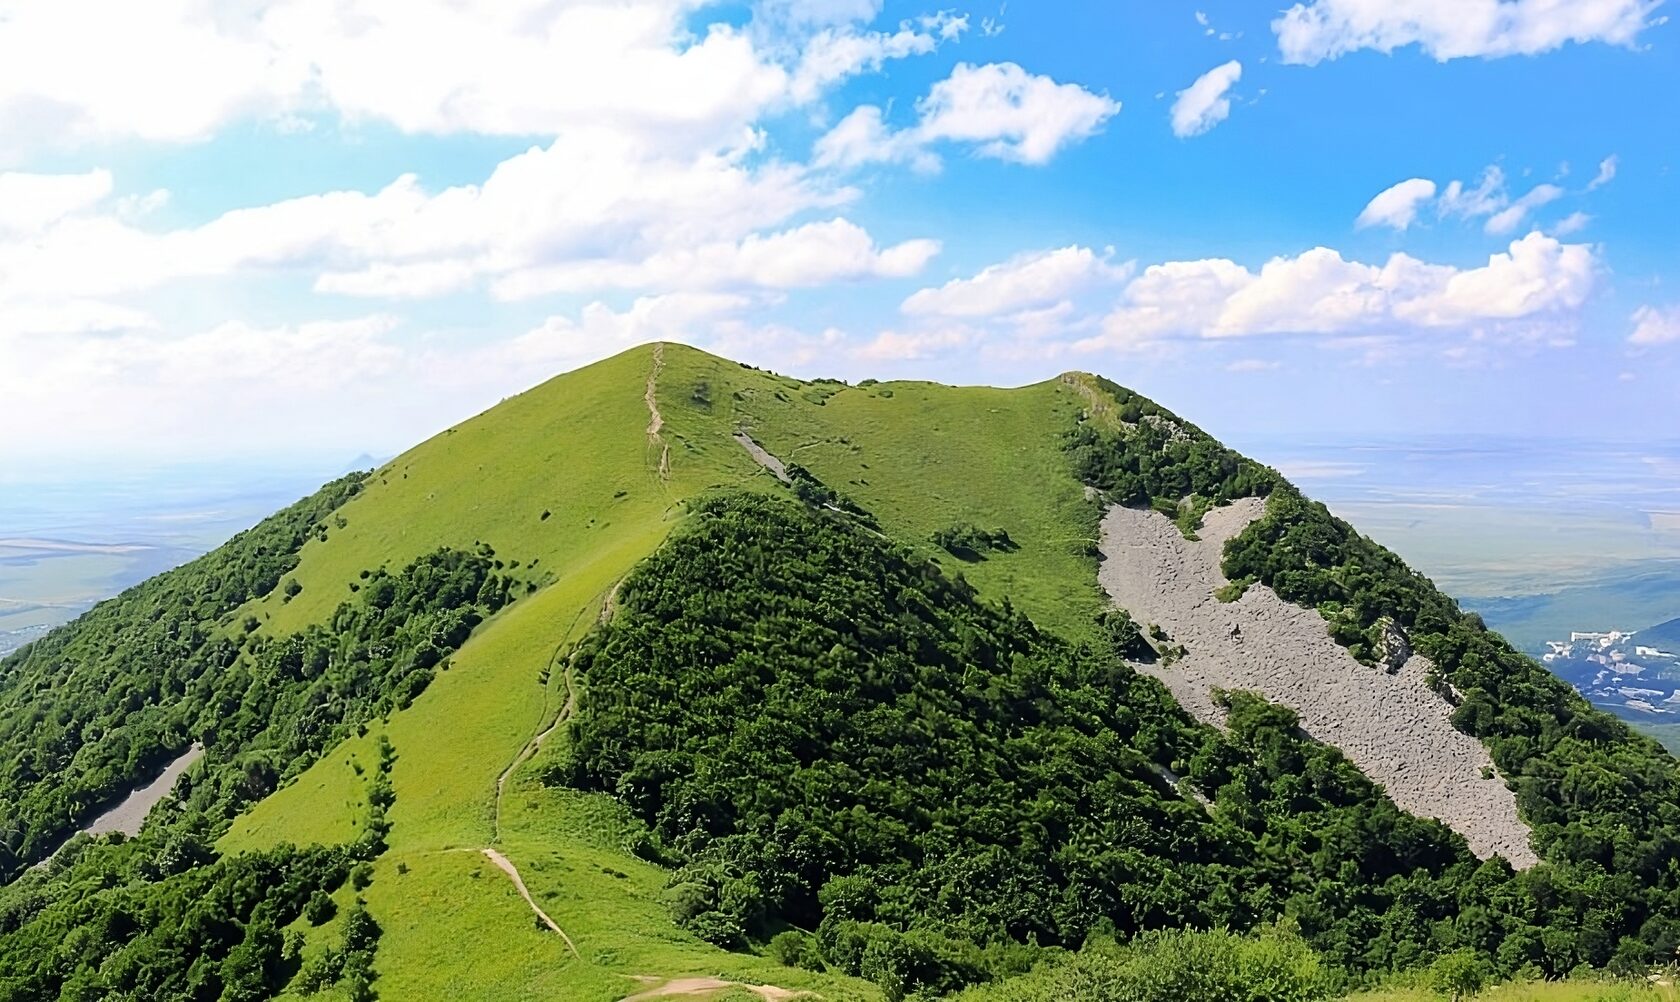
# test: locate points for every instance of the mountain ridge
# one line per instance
(561, 493)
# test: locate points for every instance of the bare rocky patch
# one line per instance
(1390, 723)
(762, 457)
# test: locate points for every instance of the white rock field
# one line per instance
(1393, 727)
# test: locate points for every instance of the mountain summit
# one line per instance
(672, 676)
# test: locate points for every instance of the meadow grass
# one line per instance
(921, 457)
(1538, 991)
(453, 925)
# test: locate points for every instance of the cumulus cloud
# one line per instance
(593, 211)
(175, 71)
(999, 109)
(1534, 288)
(907, 346)
(599, 331)
(833, 54)
(29, 202)
(1398, 205)
(1036, 279)
(1655, 325)
(1316, 30)
(808, 255)
(1204, 104)
(280, 387)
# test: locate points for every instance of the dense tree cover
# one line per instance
(1154, 456)
(102, 703)
(162, 917)
(1274, 966)
(105, 701)
(824, 732)
(1603, 801)
(151, 919)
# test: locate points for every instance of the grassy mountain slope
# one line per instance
(572, 486)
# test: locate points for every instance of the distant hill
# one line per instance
(1665, 636)
(672, 676)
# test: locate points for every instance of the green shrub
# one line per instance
(320, 909)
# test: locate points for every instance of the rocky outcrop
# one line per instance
(1393, 647)
(1393, 724)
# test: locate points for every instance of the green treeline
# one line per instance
(844, 754)
(162, 916)
(1603, 802)
(105, 701)
(159, 917)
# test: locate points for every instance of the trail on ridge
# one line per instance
(656, 421)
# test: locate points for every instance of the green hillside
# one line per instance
(869, 732)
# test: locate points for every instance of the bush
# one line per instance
(795, 948)
(1459, 974)
(320, 909)
(968, 541)
(1175, 967)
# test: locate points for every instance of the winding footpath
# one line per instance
(506, 866)
(656, 421)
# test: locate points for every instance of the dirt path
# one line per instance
(506, 866)
(1394, 727)
(656, 421)
(680, 987)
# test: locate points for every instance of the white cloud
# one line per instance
(1606, 173)
(270, 388)
(1575, 222)
(905, 346)
(1316, 30)
(594, 210)
(1535, 288)
(1491, 199)
(1204, 104)
(833, 54)
(1000, 109)
(1028, 280)
(1253, 365)
(1485, 199)
(178, 70)
(809, 255)
(1509, 218)
(1654, 325)
(1398, 205)
(598, 331)
(29, 202)
(863, 137)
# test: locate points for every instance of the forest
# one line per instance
(108, 699)
(848, 758)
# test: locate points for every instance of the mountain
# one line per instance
(1664, 636)
(672, 676)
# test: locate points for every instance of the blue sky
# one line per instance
(312, 228)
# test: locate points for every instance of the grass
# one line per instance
(454, 925)
(1540, 991)
(922, 456)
